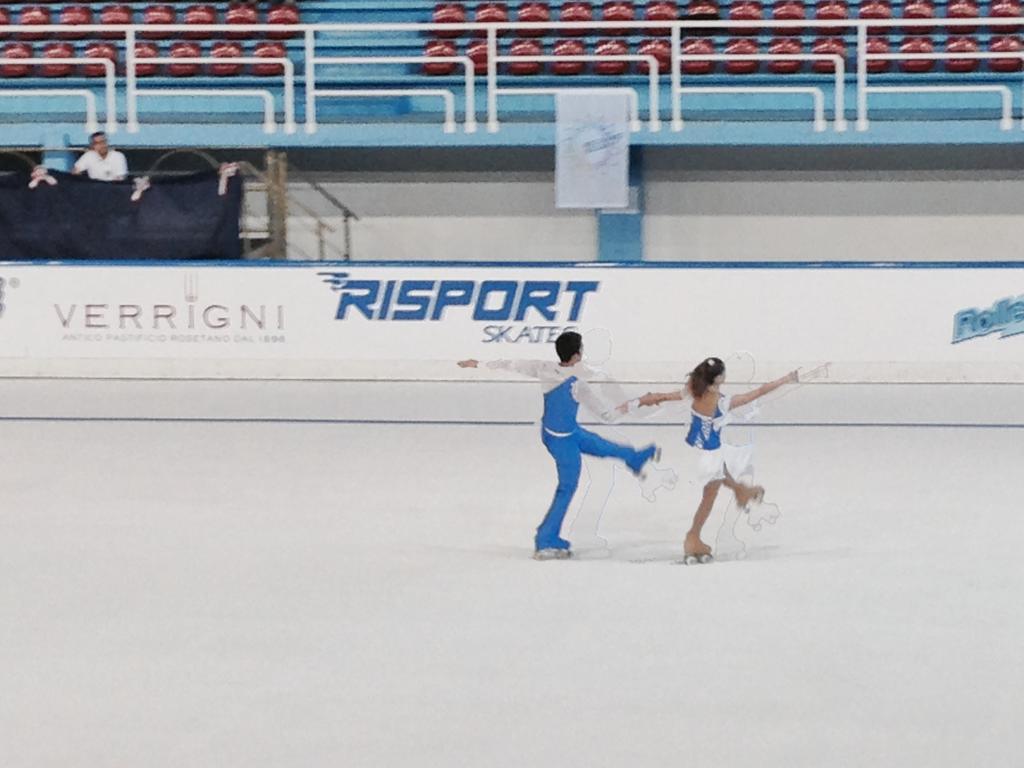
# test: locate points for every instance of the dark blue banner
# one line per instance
(57, 216)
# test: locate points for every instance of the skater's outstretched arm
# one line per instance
(739, 401)
(593, 402)
(657, 398)
(530, 368)
(653, 398)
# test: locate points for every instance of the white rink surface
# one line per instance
(271, 594)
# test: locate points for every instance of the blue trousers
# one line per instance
(567, 453)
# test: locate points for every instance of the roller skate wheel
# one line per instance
(691, 560)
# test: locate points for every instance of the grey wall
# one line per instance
(834, 216)
(944, 203)
(493, 217)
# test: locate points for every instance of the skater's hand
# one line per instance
(627, 406)
(793, 377)
(468, 363)
(651, 398)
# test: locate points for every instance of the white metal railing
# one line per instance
(653, 112)
(1006, 96)
(132, 91)
(109, 92)
(677, 88)
(817, 94)
(449, 99)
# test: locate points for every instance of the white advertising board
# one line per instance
(381, 321)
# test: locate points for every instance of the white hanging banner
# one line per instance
(592, 155)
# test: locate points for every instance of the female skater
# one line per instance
(719, 463)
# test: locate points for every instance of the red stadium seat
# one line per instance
(491, 13)
(199, 14)
(830, 45)
(115, 14)
(578, 12)
(661, 10)
(477, 52)
(962, 44)
(533, 12)
(33, 14)
(16, 51)
(917, 44)
(694, 46)
(702, 10)
(611, 48)
(963, 9)
(1002, 9)
(569, 48)
(831, 10)
(741, 45)
(449, 13)
(745, 10)
(146, 51)
(98, 50)
(57, 51)
(1006, 44)
(286, 12)
(5, 19)
(226, 50)
(875, 9)
(525, 47)
(789, 10)
(75, 15)
(184, 50)
(157, 14)
(918, 9)
(269, 50)
(617, 10)
(241, 13)
(661, 50)
(440, 48)
(782, 45)
(879, 45)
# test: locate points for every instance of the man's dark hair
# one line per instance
(567, 345)
(96, 135)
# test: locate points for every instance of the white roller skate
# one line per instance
(696, 552)
(552, 553)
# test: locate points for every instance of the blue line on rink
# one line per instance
(474, 423)
(531, 264)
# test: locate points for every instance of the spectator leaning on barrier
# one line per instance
(101, 162)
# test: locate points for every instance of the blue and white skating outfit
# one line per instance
(566, 441)
(717, 456)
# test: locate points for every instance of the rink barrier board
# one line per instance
(941, 322)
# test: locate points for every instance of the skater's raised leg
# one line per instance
(744, 493)
(594, 445)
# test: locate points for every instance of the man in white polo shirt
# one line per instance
(101, 162)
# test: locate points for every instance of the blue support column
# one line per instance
(59, 160)
(620, 231)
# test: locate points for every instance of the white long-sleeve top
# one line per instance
(551, 375)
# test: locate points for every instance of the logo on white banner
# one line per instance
(188, 321)
(1005, 316)
(508, 310)
(6, 286)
